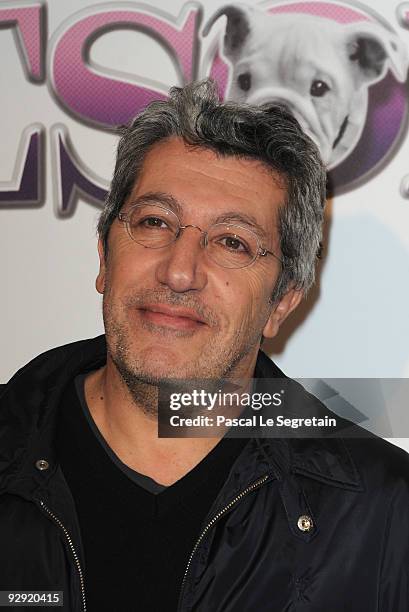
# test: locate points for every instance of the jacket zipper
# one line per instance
(74, 552)
(249, 489)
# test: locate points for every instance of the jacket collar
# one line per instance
(29, 405)
(325, 458)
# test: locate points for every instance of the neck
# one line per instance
(131, 430)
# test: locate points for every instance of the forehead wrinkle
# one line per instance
(220, 162)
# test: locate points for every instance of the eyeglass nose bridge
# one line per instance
(203, 236)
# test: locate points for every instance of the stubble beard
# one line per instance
(214, 363)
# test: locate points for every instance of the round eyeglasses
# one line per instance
(228, 245)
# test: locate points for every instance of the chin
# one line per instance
(162, 362)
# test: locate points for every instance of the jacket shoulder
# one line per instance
(54, 358)
(379, 462)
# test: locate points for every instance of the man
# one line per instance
(207, 243)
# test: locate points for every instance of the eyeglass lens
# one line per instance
(228, 245)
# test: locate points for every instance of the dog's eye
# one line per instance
(319, 88)
(244, 81)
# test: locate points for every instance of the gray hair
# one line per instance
(267, 133)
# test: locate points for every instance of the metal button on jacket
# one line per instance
(42, 464)
(305, 523)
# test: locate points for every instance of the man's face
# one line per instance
(172, 312)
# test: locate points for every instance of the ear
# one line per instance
(281, 310)
(100, 280)
(237, 27)
(374, 49)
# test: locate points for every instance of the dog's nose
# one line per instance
(282, 102)
(270, 95)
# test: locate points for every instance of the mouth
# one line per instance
(341, 132)
(175, 317)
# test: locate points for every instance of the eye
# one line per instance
(319, 88)
(233, 244)
(244, 81)
(152, 223)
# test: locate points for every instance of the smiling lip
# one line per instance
(171, 316)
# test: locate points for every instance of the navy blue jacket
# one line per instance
(301, 524)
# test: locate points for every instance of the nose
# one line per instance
(182, 266)
(284, 103)
(300, 107)
(277, 95)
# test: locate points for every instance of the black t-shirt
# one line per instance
(137, 534)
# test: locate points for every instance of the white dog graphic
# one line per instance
(320, 69)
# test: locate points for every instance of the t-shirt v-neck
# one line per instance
(135, 541)
(143, 481)
(225, 450)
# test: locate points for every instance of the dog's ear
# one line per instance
(237, 27)
(375, 49)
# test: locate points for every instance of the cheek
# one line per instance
(324, 104)
(130, 267)
(244, 298)
(260, 293)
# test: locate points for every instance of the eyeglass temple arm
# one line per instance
(263, 252)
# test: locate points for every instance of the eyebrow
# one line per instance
(160, 197)
(243, 219)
